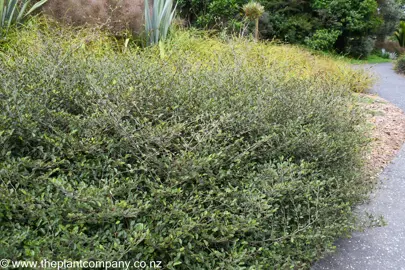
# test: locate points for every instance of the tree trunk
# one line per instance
(257, 30)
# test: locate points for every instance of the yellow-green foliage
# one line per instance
(290, 61)
(37, 35)
(197, 48)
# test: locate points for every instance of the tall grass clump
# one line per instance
(246, 163)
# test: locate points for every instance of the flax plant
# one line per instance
(15, 11)
(158, 20)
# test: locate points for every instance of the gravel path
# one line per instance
(380, 248)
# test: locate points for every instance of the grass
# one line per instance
(372, 59)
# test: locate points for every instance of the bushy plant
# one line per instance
(384, 54)
(323, 40)
(400, 65)
(215, 14)
(359, 47)
(219, 156)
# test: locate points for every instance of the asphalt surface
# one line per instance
(381, 248)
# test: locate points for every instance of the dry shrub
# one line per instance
(115, 15)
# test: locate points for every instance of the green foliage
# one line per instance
(158, 20)
(15, 11)
(323, 40)
(291, 21)
(400, 34)
(400, 65)
(218, 156)
(391, 13)
(357, 20)
(296, 21)
(359, 47)
(211, 14)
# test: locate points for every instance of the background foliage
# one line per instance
(391, 13)
(297, 20)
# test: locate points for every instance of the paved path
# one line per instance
(379, 248)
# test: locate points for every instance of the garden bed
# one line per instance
(200, 153)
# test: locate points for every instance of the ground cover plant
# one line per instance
(200, 153)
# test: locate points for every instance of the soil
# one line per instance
(388, 131)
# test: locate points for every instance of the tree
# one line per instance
(391, 13)
(357, 21)
(253, 11)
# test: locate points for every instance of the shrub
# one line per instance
(359, 47)
(211, 14)
(400, 65)
(323, 40)
(233, 157)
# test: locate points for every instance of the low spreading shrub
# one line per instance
(252, 161)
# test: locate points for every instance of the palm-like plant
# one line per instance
(400, 34)
(253, 12)
(158, 19)
(15, 11)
